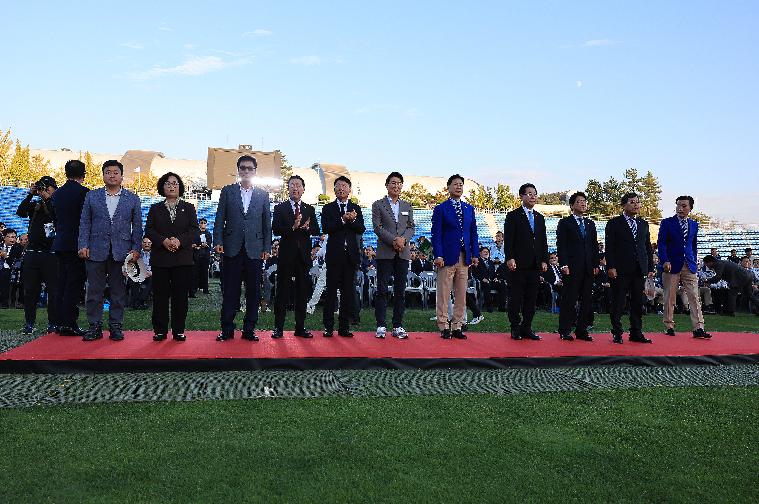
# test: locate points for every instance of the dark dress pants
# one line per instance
(577, 286)
(170, 285)
(71, 277)
(100, 274)
(523, 288)
(236, 269)
(620, 288)
(292, 280)
(39, 267)
(398, 269)
(5, 286)
(201, 273)
(340, 275)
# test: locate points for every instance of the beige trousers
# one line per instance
(689, 280)
(455, 277)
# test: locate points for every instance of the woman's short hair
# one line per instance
(162, 182)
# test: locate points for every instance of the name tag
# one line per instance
(404, 213)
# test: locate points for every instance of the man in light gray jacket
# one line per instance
(393, 222)
(110, 229)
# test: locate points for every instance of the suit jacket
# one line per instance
(735, 275)
(447, 233)
(102, 235)
(485, 270)
(528, 249)
(233, 226)
(348, 233)
(294, 246)
(626, 253)
(386, 229)
(580, 254)
(203, 252)
(68, 201)
(159, 227)
(674, 249)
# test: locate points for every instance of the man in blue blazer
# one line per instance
(68, 201)
(110, 229)
(242, 234)
(678, 249)
(455, 245)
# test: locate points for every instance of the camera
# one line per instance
(39, 186)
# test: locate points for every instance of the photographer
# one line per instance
(39, 263)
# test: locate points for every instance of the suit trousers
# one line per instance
(5, 286)
(398, 268)
(170, 285)
(340, 275)
(237, 269)
(451, 277)
(39, 267)
(620, 288)
(578, 286)
(200, 274)
(523, 294)
(71, 278)
(100, 273)
(292, 280)
(671, 282)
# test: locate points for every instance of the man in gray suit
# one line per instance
(110, 229)
(242, 233)
(393, 222)
(739, 281)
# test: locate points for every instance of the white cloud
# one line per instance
(259, 32)
(579, 83)
(599, 42)
(196, 65)
(311, 60)
(165, 27)
(133, 45)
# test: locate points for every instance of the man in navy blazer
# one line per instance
(68, 201)
(678, 249)
(242, 233)
(110, 229)
(455, 245)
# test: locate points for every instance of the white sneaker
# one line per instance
(400, 333)
(433, 318)
(477, 320)
(310, 309)
(380, 333)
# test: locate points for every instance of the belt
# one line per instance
(40, 251)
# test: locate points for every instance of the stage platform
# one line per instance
(201, 352)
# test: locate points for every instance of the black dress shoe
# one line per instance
(584, 337)
(445, 334)
(93, 333)
(225, 335)
(458, 334)
(249, 335)
(345, 334)
(159, 337)
(277, 333)
(617, 339)
(700, 333)
(639, 338)
(304, 334)
(178, 336)
(516, 335)
(70, 331)
(530, 335)
(328, 334)
(566, 337)
(670, 332)
(116, 334)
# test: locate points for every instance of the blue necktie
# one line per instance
(684, 226)
(531, 218)
(581, 222)
(460, 215)
(634, 227)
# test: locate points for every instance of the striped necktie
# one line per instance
(684, 227)
(460, 215)
(633, 226)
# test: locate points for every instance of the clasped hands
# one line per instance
(171, 244)
(512, 265)
(349, 216)
(298, 224)
(399, 243)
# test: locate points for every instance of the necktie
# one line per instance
(460, 215)
(531, 218)
(684, 226)
(342, 209)
(634, 227)
(581, 223)
(297, 209)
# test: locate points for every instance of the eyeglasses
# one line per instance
(395, 183)
(246, 168)
(171, 183)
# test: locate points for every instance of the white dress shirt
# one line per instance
(112, 201)
(246, 195)
(395, 207)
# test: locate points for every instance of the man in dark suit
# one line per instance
(577, 248)
(343, 223)
(295, 222)
(242, 233)
(739, 280)
(202, 257)
(67, 204)
(10, 252)
(526, 251)
(629, 258)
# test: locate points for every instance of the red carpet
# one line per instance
(420, 350)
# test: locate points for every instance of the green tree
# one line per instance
(93, 176)
(505, 200)
(19, 167)
(6, 144)
(702, 218)
(604, 197)
(417, 195)
(631, 182)
(553, 198)
(287, 171)
(650, 195)
(480, 198)
(438, 197)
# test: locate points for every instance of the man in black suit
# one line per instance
(295, 222)
(739, 280)
(202, 257)
(629, 258)
(577, 248)
(67, 204)
(343, 222)
(526, 251)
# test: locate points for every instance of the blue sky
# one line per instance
(552, 92)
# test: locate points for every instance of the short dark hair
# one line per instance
(628, 196)
(688, 198)
(523, 188)
(8, 231)
(454, 177)
(74, 169)
(709, 259)
(578, 194)
(297, 177)
(748, 249)
(393, 174)
(164, 178)
(202, 219)
(113, 162)
(343, 178)
(241, 159)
